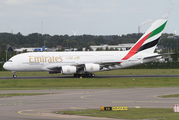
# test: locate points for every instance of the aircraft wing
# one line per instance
(108, 63)
(156, 55)
(57, 66)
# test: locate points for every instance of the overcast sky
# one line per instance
(96, 17)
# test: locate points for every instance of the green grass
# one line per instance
(131, 113)
(91, 83)
(139, 72)
(8, 73)
(20, 94)
(113, 72)
(170, 96)
(87, 83)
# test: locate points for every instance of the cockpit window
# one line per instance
(9, 61)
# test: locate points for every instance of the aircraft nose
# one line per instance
(6, 66)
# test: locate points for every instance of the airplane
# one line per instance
(86, 63)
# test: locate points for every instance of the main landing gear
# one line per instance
(84, 75)
(14, 74)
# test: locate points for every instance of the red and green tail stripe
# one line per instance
(137, 46)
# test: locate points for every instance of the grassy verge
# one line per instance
(8, 73)
(131, 113)
(20, 94)
(139, 72)
(87, 83)
(170, 96)
(113, 72)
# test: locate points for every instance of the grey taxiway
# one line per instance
(98, 76)
(42, 107)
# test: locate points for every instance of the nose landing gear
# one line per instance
(14, 74)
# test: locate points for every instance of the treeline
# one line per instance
(38, 40)
(158, 65)
(79, 41)
(1, 67)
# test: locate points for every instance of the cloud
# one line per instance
(23, 2)
(93, 6)
(166, 13)
(18, 2)
(147, 21)
(95, 11)
(132, 10)
(14, 2)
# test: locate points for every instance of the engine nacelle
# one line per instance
(68, 70)
(92, 67)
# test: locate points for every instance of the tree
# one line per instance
(99, 49)
(3, 46)
(111, 49)
(99, 40)
(73, 44)
(175, 56)
(89, 44)
(65, 43)
(107, 49)
(24, 51)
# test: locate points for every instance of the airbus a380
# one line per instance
(86, 63)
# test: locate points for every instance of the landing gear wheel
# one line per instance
(84, 75)
(90, 75)
(14, 76)
(75, 75)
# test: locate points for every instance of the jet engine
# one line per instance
(92, 67)
(68, 70)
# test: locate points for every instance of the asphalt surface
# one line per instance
(41, 107)
(97, 76)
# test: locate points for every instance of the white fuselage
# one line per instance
(44, 61)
